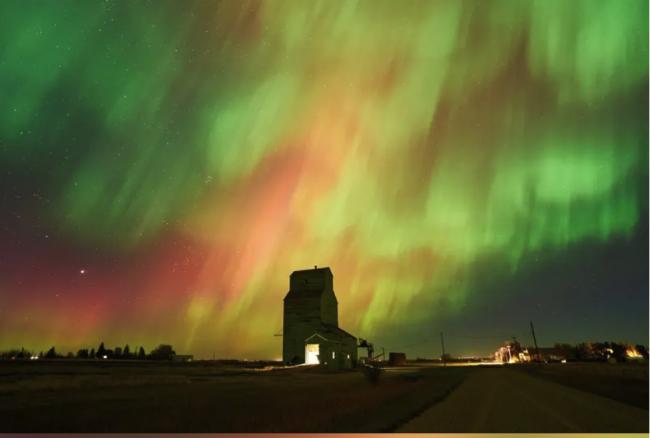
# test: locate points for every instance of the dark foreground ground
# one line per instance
(205, 397)
(625, 383)
(146, 397)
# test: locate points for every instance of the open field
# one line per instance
(627, 383)
(153, 397)
(97, 396)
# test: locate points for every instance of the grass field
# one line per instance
(627, 383)
(152, 397)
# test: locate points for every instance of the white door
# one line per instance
(311, 354)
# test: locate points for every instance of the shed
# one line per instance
(331, 346)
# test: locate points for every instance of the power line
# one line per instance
(532, 329)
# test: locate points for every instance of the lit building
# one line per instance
(631, 353)
(311, 332)
(512, 352)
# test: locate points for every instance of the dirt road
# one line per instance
(507, 400)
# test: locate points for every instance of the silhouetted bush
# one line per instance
(162, 352)
(619, 352)
(15, 354)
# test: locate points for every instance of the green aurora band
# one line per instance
(401, 143)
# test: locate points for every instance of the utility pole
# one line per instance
(532, 329)
(442, 343)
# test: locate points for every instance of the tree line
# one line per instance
(603, 351)
(162, 352)
(582, 352)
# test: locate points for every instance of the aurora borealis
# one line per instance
(460, 165)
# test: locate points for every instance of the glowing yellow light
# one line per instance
(311, 354)
(632, 353)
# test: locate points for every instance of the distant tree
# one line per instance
(15, 354)
(101, 351)
(126, 352)
(69, 355)
(578, 351)
(582, 352)
(92, 354)
(162, 352)
(141, 354)
(51, 353)
(82, 353)
(118, 353)
(642, 350)
(601, 350)
(567, 351)
(619, 351)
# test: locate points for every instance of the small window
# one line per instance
(333, 355)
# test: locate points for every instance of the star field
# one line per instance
(463, 166)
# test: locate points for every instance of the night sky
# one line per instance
(462, 166)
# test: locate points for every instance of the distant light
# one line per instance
(82, 271)
(563, 361)
(105, 357)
